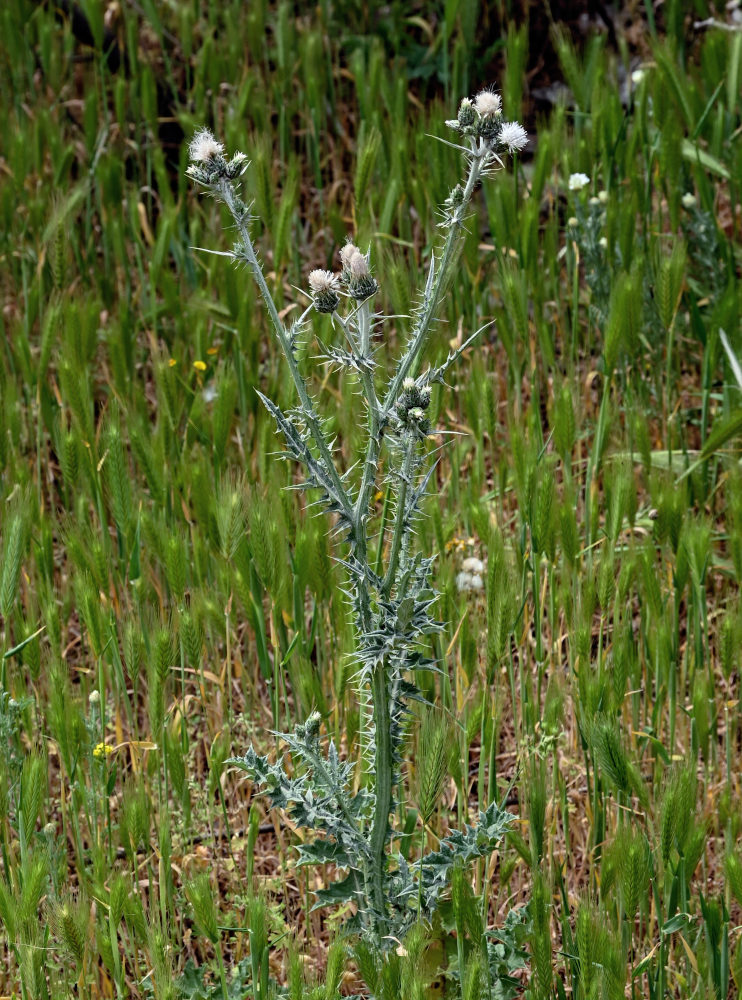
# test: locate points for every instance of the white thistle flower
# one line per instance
(513, 136)
(578, 181)
(573, 222)
(603, 197)
(358, 265)
(203, 147)
(469, 581)
(688, 200)
(473, 566)
(347, 253)
(637, 76)
(603, 243)
(488, 104)
(409, 383)
(322, 281)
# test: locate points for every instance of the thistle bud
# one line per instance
(467, 114)
(356, 272)
(312, 725)
(324, 285)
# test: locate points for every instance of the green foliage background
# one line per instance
(163, 596)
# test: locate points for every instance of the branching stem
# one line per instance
(226, 193)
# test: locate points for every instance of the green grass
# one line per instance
(162, 595)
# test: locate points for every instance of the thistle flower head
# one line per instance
(488, 104)
(358, 265)
(203, 147)
(347, 252)
(322, 281)
(357, 273)
(469, 582)
(578, 181)
(512, 136)
(473, 565)
(324, 286)
(688, 200)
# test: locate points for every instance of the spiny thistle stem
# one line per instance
(383, 780)
(419, 338)
(400, 522)
(227, 195)
(409, 362)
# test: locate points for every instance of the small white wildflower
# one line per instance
(322, 281)
(688, 200)
(476, 582)
(209, 394)
(573, 222)
(416, 413)
(637, 76)
(603, 197)
(408, 384)
(603, 242)
(203, 147)
(94, 698)
(513, 136)
(594, 202)
(578, 181)
(426, 392)
(488, 104)
(472, 565)
(463, 582)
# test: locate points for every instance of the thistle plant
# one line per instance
(391, 598)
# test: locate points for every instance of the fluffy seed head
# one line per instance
(488, 104)
(512, 136)
(203, 147)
